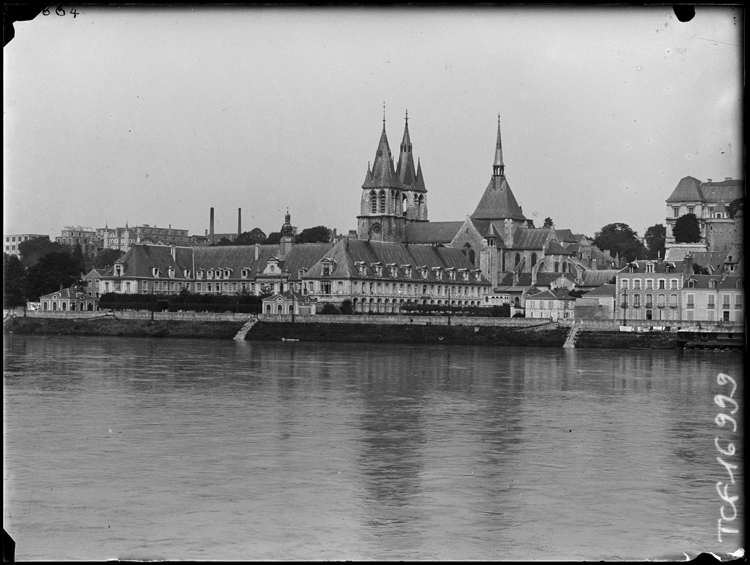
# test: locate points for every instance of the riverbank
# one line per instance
(107, 326)
(545, 335)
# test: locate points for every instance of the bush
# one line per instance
(329, 308)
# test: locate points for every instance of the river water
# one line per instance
(211, 450)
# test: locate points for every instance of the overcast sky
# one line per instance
(155, 115)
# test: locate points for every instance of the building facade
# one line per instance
(67, 300)
(12, 241)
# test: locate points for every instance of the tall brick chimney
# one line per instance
(211, 226)
(239, 221)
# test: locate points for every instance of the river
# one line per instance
(127, 448)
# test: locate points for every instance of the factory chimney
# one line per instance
(239, 222)
(211, 226)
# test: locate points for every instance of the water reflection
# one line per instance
(355, 451)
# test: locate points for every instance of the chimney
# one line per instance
(173, 251)
(211, 225)
(257, 251)
(689, 264)
(239, 221)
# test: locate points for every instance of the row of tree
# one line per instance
(318, 234)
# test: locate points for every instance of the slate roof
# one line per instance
(66, 294)
(687, 190)
(557, 294)
(702, 281)
(542, 279)
(565, 236)
(348, 252)
(598, 278)
(713, 259)
(498, 202)
(383, 174)
(607, 290)
(659, 266)
(555, 248)
(530, 238)
(690, 189)
(431, 232)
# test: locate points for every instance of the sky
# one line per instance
(154, 115)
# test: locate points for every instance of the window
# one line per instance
(325, 287)
(691, 210)
(625, 284)
(691, 301)
(673, 284)
(725, 301)
(676, 211)
(649, 284)
(624, 299)
(673, 301)
(661, 301)
(637, 284)
(649, 267)
(382, 200)
(738, 301)
(636, 301)
(649, 301)
(691, 283)
(662, 284)
(373, 202)
(712, 283)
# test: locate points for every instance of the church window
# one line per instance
(557, 266)
(376, 229)
(533, 259)
(373, 202)
(382, 201)
(472, 256)
(517, 260)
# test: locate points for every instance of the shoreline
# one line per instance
(548, 335)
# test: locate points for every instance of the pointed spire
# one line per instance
(383, 172)
(384, 117)
(419, 185)
(405, 168)
(498, 168)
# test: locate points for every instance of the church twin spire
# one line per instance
(498, 168)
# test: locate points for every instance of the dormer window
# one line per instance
(361, 267)
(464, 274)
(423, 272)
(326, 269)
(301, 272)
(118, 269)
(438, 271)
(478, 275)
(155, 271)
(210, 274)
(451, 273)
(187, 273)
(199, 274)
(739, 283)
(407, 271)
(393, 270)
(227, 273)
(170, 272)
(712, 283)
(244, 273)
(691, 283)
(378, 268)
(649, 267)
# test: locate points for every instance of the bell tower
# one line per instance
(382, 213)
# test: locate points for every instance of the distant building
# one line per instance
(68, 300)
(79, 235)
(12, 241)
(597, 304)
(552, 305)
(709, 201)
(123, 238)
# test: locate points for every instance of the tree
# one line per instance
(14, 282)
(53, 271)
(255, 235)
(78, 257)
(32, 250)
(687, 229)
(318, 234)
(656, 238)
(548, 223)
(347, 307)
(222, 242)
(274, 237)
(736, 204)
(106, 258)
(621, 239)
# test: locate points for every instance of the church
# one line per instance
(497, 237)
